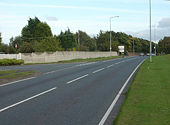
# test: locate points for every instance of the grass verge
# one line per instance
(9, 75)
(90, 59)
(148, 99)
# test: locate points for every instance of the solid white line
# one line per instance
(117, 97)
(16, 81)
(6, 108)
(77, 79)
(98, 70)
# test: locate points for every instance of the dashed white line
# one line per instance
(117, 97)
(110, 66)
(8, 107)
(84, 64)
(77, 79)
(16, 81)
(98, 70)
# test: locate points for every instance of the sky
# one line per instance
(90, 16)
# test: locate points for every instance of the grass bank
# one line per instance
(90, 59)
(148, 99)
(9, 75)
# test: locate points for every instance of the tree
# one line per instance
(68, 40)
(0, 38)
(26, 48)
(35, 30)
(85, 42)
(164, 45)
(16, 42)
(4, 48)
(50, 44)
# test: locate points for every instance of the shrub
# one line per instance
(8, 62)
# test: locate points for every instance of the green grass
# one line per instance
(14, 74)
(89, 59)
(148, 99)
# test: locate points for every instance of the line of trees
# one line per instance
(164, 45)
(37, 37)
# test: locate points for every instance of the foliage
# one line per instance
(50, 44)
(7, 62)
(37, 37)
(0, 42)
(119, 39)
(147, 101)
(164, 45)
(35, 30)
(85, 42)
(4, 48)
(26, 48)
(68, 40)
(0, 39)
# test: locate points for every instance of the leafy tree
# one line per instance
(68, 40)
(50, 44)
(164, 45)
(16, 41)
(4, 48)
(35, 30)
(26, 48)
(0, 38)
(85, 42)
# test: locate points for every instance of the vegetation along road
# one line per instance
(148, 100)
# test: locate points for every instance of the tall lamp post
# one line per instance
(150, 14)
(111, 33)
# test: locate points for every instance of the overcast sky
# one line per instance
(90, 16)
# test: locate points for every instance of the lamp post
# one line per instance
(111, 33)
(150, 14)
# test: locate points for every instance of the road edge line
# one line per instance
(104, 118)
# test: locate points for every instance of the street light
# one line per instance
(150, 14)
(111, 33)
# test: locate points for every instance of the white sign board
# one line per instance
(121, 49)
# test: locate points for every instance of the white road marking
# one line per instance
(84, 64)
(117, 97)
(77, 79)
(117, 63)
(18, 103)
(16, 81)
(98, 70)
(58, 70)
(110, 66)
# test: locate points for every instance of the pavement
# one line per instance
(66, 94)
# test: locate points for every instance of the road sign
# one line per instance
(121, 49)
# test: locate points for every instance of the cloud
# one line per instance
(164, 23)
(51, 18)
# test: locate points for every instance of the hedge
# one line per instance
(8, 62)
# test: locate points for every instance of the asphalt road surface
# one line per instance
(65, 94)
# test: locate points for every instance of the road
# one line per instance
(65, 94)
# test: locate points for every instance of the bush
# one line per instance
(8, 62)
